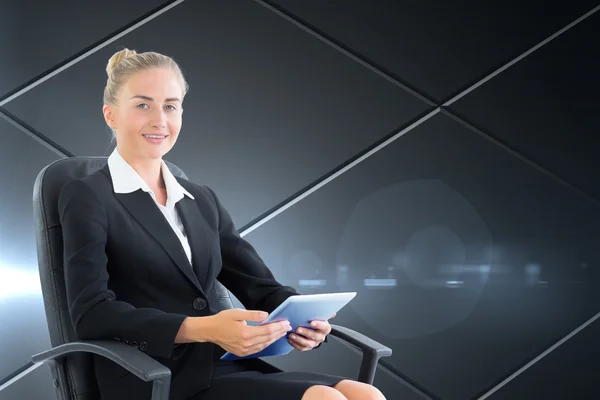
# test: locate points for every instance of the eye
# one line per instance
(172, 107)
(141, 105)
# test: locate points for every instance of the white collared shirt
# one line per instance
(127, 180)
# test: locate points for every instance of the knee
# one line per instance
(320, 392)
(372, 393)
(357, 390)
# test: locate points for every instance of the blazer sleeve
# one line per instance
(94, 310)
(243, 272)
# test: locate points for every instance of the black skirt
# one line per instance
(255, 379)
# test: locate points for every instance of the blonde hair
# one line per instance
(125, 63)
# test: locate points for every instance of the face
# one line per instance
(147, 118)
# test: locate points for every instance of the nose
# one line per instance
(159, 120)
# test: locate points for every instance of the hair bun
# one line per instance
(117, 58)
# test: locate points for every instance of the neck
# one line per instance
(147, 168)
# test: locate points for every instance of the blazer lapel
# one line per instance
(145, 211)
(196, 230)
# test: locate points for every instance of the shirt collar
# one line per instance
(127, 180)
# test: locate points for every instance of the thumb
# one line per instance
(249, 315)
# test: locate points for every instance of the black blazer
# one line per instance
(129, 279)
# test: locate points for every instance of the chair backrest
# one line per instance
(76, 370)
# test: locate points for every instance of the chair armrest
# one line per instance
(361, 341)
(133, 360)
(372, 351)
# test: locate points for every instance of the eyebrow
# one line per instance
(139, 96)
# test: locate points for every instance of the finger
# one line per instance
(333, 316)
(263, 340)
(248, 315)
(303, 342)
(257, 347)
(273, 329)
(311, 334)
(268, 332)
(297, 346)
(322, 326)
(279, 335)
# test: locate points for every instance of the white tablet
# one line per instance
(300, 310)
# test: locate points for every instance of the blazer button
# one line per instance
(143, 346)
(199, 303)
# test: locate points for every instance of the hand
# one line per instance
(305, 339)
(230, 331)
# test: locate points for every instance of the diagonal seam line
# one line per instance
(360, 59)
(437, 110)
(35, 135)
(86, 54)
(394, 375)
(314, 32)
(519, 58)
(269, 215)
(412, 385)
(49, 144)
(321, 37)
(392, 372)
(461, 120)
(289, 203)
(18, 374)
(541, 356)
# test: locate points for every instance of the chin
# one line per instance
(155, 154)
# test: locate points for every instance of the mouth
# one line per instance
(155, 137)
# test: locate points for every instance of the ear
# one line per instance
(109, 115)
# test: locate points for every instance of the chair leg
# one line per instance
(160, 389)
(368, 367)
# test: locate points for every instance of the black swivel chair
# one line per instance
(70, 359)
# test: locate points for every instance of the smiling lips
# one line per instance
(155, 137)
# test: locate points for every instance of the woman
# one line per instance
(143, 250)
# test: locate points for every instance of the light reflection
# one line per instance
(18, 281)
(312, 282)
(470, 275)
(532, 274)
(379, 283)
(342, 276)
(419, 246)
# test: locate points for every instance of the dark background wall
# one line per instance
(438, 157)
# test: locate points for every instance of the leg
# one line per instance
(320, 392)
(353, 390)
